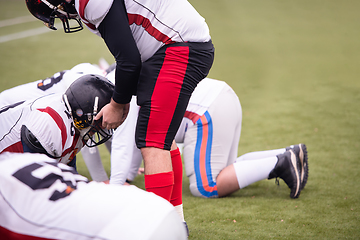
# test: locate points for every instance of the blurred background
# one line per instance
(295, 66)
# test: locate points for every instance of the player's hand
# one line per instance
(113, 114)
(141, 171)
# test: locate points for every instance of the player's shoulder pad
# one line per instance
(31, 142)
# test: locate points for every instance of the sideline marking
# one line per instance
(27, 33)
(18, 20)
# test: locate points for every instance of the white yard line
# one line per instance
(18, 20)
(23, 34)
(28, 33)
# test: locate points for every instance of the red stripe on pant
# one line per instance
(166, 94)
(176, 196)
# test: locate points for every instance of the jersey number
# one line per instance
(49, 82)
(26, 175)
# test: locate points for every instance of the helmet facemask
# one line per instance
(91, 131)
(95, 135)
(64, 11)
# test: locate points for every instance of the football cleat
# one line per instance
(288, 169)
(301, 151)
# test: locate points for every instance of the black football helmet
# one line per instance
(48, 10)
(84, 98)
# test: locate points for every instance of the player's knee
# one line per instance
(199, 191)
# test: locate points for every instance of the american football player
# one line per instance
(43, 199)
(58, 83)
(163, 49)
(59, 124)
(210, 133)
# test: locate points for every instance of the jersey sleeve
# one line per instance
(93, 11)
(117, 35)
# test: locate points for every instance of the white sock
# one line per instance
(248, 172)
(260, 154)
(179, 210)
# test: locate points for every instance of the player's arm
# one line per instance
(117, 35)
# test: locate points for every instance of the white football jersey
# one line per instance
(58, 83)
(153, 23)
(49, 121)
(43, 199)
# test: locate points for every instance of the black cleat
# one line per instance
(301, 151)
(288, 169)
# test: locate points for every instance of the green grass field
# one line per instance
(295, 66)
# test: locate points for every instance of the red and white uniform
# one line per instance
(160, 47)
(153, 23)
(43, 199)
(210, 133)
(58, 83)
(49, 121)
(210, 136)
(172, 41)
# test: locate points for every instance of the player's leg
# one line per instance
(160, 115)
(260, 154)
(289, 164)
(166, 83)
(159, 177)
(199, 164)
(208, 144)
(239, 174)
(251, 171)
(108, 144)
(176, 196)
(227, 120)
(254, 166)
(93, 162)
(124, 152)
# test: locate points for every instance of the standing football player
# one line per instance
(163, 49)
(43, 199)
(60, 124)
